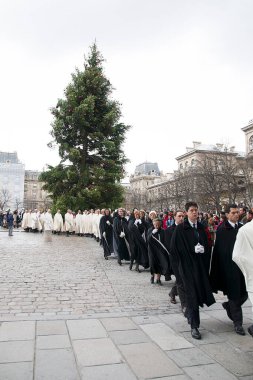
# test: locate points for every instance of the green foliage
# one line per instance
(89, 136)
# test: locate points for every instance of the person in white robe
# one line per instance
(243, 257)
(58, 222)
(35, 224)
(79, 223)
(42, 219)
(48, 225)
(90, 223)
(74, 223)
(29, 220)
(95, 225)
(24, 224)
(68, 222)
(85, 223)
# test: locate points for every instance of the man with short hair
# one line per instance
(225, 274)
(178, 288)
(189, 247)
(243, 257)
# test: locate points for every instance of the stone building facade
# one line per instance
(34, 195)
(12, 173)
(213, 175)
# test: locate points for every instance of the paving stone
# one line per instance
(244, 343)
(112, 324)
(128, 336)
(52, 341)
(91, 352)
(178, 377)
(51, 328)
(86, 329)
(55, 365)
(165, 337)
(141, 320)
(16, 351)
(107, 372)
(234, 360)
(189, 357)
(176, 321)
(17, 331)
(216, 326)
(16, 371)
(209, 372)
(207, 337)
(147, 361)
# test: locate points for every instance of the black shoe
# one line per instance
(137, 268)
(225, 306)
(131, 266)
(106, 257)
(119, 262)
(195, 333)
(250, 330)
(239, 330)
(159, 282)
(173, 300)
(152, 279)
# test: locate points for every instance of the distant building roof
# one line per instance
(9, 157)
(147, 168)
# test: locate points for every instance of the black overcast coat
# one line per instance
(225, 274)
(192, 267)
(139, 248)
(158, 255)
(121, 245)
(107, 241)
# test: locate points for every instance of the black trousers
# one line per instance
(178, 288)
(235, 309)
(193, 317)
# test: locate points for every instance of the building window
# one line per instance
(251, 143)
(186, 164)
(192, 162)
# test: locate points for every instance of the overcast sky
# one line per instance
(182, 70)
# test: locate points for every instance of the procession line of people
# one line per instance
(201, 265)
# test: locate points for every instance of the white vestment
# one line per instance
(48, 221)
(90, 223)
(243, 255)
(58, 222)
(85, 223)
(79, 223)
(25, 220)
(68, 222)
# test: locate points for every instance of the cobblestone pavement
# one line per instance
(66, 313)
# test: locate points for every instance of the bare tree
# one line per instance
(5, 198)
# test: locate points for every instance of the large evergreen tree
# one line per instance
(89, 135)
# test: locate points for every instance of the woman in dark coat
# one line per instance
(158, 254)
(121, 237)
(106, 230)
(138, 245)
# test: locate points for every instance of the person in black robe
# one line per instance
(189, 248)
(106, 230)
(138, 245)
(225, 274)
(178, 288)
(159, 261)
(121, 237)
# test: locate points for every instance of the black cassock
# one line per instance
(138, 245)
(121, 245)
(192, 267)
(159, 261)
(225, 274)
(107, 240)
